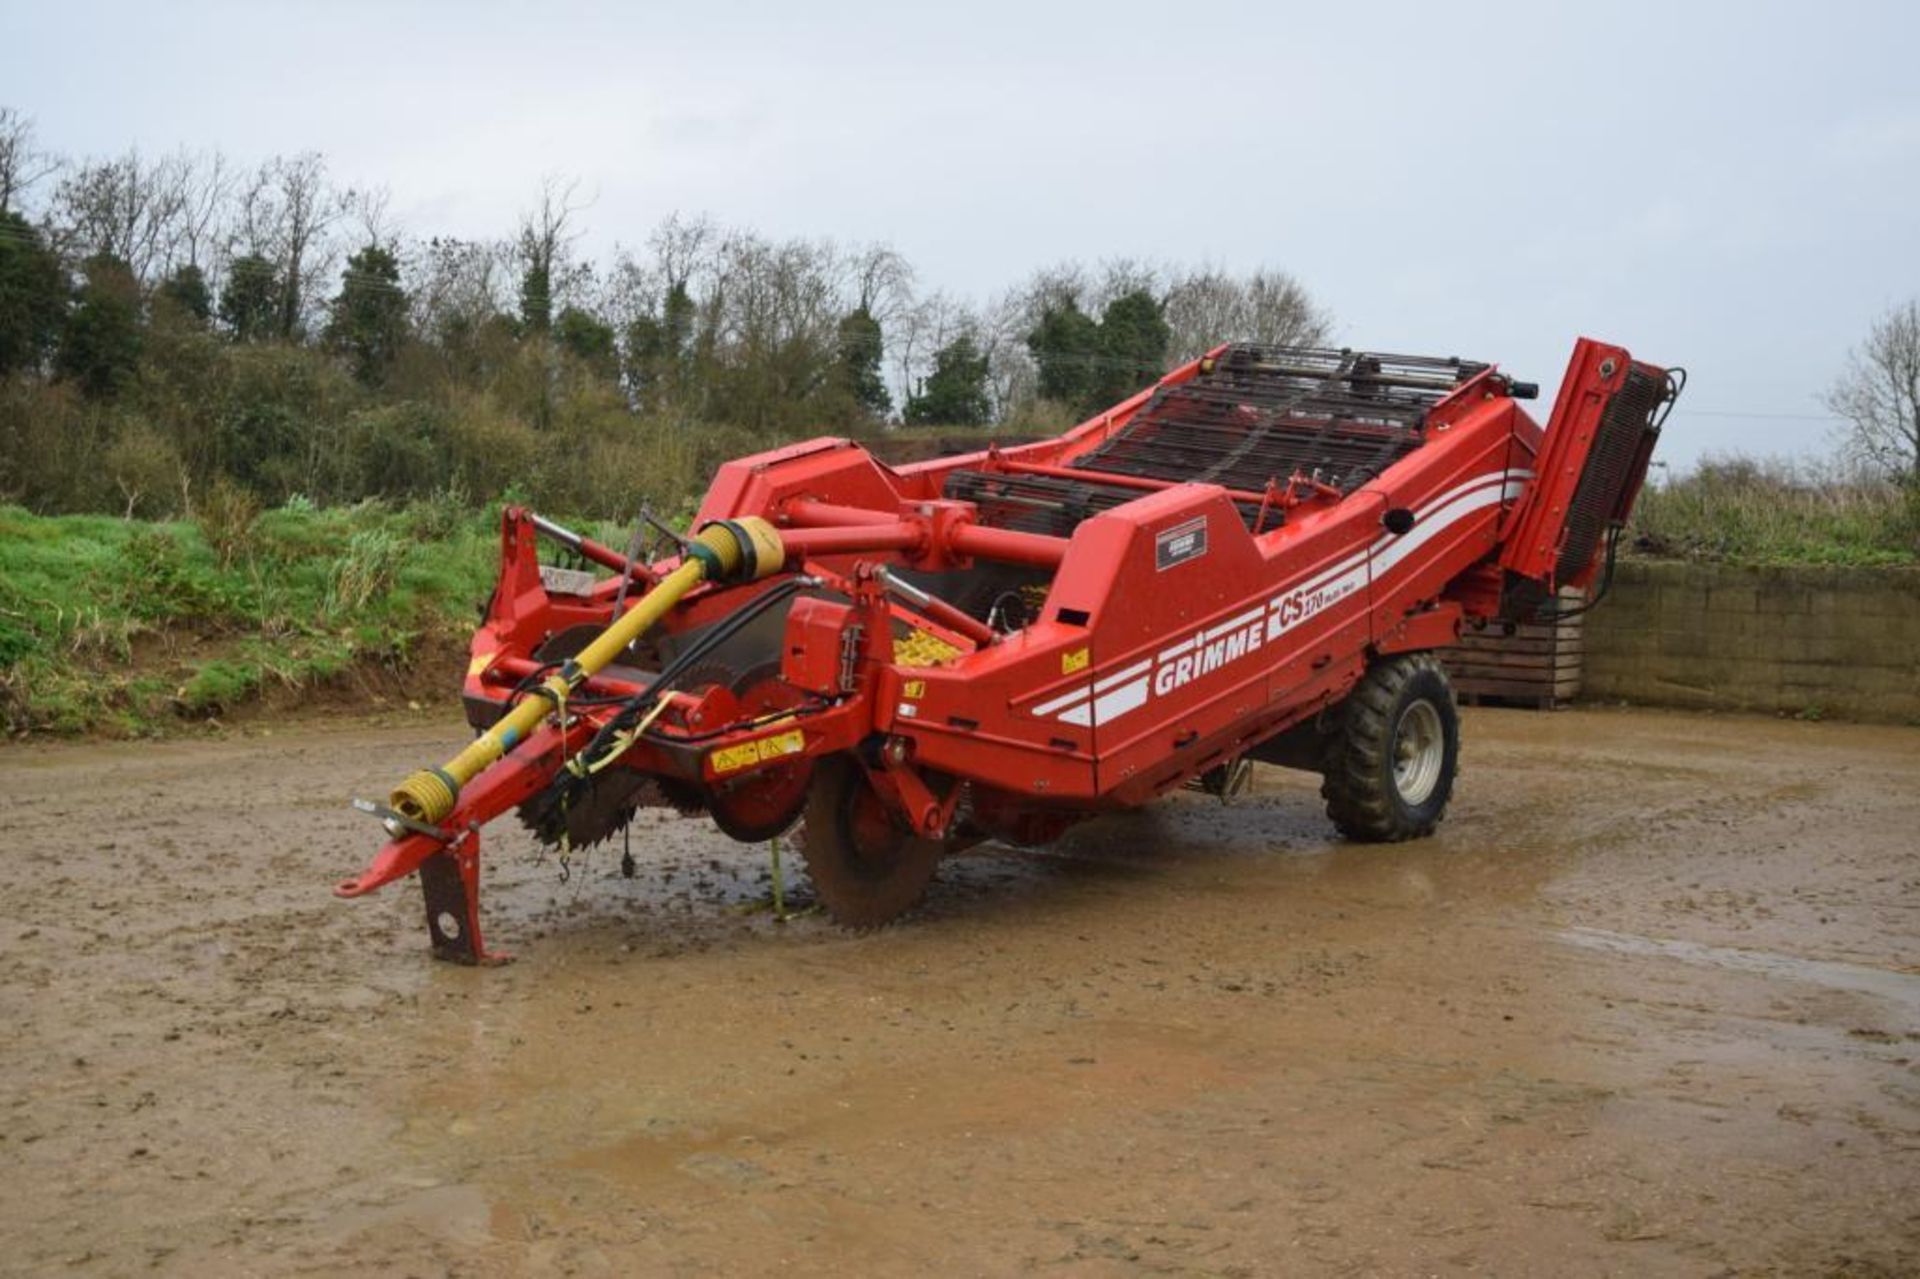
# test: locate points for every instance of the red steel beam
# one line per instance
(1037, 550)
(828, 529)
(808, 513)
(889, 535)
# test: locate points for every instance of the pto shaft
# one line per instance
(746, 548)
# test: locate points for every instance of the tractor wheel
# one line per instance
(1390, 768)
(866, 867)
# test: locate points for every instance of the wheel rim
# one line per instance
(1419, 750)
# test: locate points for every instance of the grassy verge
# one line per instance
(124, 627)
(117, 626)
(1755, 512)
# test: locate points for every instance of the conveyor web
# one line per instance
(1260, 414)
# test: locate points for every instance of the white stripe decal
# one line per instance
(1110, 706)
(1116, 694)
(1425, 530)
(1235, 624)
(1138, 668)
(1331, 571)
(1121, 700)
(1352, 561)
(1077, 695)
(1168, 654)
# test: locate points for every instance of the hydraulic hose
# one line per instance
(745, 549)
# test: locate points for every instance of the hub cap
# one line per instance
(1419, 749)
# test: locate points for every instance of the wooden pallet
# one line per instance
(1537, 665)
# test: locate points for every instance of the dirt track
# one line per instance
(1649, 1005)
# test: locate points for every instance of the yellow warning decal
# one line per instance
(1075, 661)
(914, 689)
(479, 663)
(731, 759)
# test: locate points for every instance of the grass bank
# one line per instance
(1766, 513)
(124, 627)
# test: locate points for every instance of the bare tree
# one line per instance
(1121, 276)
(369, 209)
(681, 246)
(766, 341)
(205, 187)
(1280, 311)
(1012, 379)
(1206, 306)
(921, 329)
(882, 282)
(286, 211)
(22, 163)
(545, 238)
(458, 286)
(120, 207)
(152, 215)
(1055, 286)
(1879, 395)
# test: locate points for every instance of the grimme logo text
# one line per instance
(1207, 657)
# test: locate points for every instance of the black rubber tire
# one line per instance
(1364, 799)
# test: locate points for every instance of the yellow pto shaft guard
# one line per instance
(747, 549)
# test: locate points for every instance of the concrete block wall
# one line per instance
(1828, 641)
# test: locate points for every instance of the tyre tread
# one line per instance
(1356, 781)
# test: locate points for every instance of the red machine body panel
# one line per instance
(1173, 658)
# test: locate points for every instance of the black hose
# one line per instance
(633, 707)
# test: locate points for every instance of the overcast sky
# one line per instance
(1733, 187)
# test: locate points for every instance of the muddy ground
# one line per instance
(1649, 1005)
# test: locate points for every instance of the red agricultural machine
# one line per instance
(1253, 559)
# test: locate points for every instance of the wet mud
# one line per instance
(1649, 1004)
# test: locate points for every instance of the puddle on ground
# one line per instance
(1893, 985)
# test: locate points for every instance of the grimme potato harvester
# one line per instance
(1253, 559)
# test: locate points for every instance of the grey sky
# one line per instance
(1735, 187)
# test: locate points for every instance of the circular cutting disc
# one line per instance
(865, 865)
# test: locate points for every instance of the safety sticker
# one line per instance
(731, 759)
